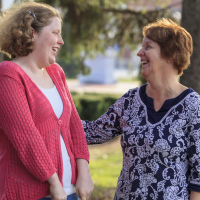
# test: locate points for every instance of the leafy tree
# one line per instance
(89, 27)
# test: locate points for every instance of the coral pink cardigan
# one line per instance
(30, 150)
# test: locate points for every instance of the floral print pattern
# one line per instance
(161, 160)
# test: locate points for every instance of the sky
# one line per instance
(6, 4)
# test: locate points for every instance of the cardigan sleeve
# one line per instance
(17, 124)
(108, 126)
(77, 132)
(194, 148)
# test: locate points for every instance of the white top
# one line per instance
(56, 102)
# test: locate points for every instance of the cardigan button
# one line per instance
(59, 122)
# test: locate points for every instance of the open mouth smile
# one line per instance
(144, 62)
(55, 49)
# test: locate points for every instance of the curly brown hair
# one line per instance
(175, 42)
(16, 24)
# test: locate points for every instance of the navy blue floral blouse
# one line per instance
(161, 155)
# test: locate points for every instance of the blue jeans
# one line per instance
(69, 197)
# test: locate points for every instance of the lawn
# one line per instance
(105, 166)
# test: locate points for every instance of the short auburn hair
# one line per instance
(16, 24)
(175, 42)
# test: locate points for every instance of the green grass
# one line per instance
(105, 166)
(105, 169)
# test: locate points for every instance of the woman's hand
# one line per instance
(56, 190)
(84, 184)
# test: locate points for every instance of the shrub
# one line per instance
(91, 106)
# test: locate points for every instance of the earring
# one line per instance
(168, 61)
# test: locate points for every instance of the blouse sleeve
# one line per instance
(17, 123)
(77, 132)
(194, 150)
(106, 127)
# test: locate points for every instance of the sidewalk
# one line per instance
(117, 88)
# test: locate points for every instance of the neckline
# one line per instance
(41, 93)
(163, 118)
(166, 102)
(47, 89)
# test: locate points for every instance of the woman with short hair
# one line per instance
(159, 122)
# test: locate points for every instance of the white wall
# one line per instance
(102, 69)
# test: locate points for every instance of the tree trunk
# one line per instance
(191, 22)
(1, 54)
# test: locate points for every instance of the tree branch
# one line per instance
(130, 11)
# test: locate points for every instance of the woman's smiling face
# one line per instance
(48, 41)
(151, 58)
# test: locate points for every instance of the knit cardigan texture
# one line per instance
(30, 149)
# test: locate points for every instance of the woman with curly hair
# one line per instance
(159, 122)
(43, 150)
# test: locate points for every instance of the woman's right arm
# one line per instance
(106, 127)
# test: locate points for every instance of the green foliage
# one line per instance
(73, 67)
(92, 106)
(89, 27)
(70, 69)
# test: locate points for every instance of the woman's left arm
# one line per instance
(194, 195)
(84, 183)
